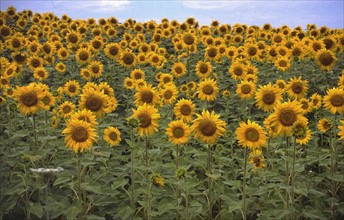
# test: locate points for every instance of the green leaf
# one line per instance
(91, 187)
(73, 211)
(213, 176)
(94, 217)
(312, 213)
(337, 177)
(37, 210)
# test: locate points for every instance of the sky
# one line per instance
(293, 13)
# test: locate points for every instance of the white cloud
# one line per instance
(209, 5)
(100, 5)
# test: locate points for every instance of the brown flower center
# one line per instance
(16, 43)
(29, 99)
(246, 89)
(185, 110)
(238, 71)
(297, 88)
(94, 103)
(72, 88)
(83, 56)
(73, 38)
(207, 127)
(95, 69)
(188, 39)
(326, 59)
(113, 136)
(168, 94)
(282, 63)
(84, 118)
(337, 100)
(252, 51)
(208, 89)
(178, 132)
(128, 59)
(203, 69)
(251, 134)
(212, 52)
(145, 120)
(147, 96)
(178, 70)
(35, 63)
(80, 134)
(256, 161)
(287, 117)
(269, 98)
(66, 109)
(113, 51)
(96, 44)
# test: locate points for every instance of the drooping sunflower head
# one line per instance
(178, 132)
(250, 134)
(79, 135)
(334, 100)
(112, 136)
(207, 127)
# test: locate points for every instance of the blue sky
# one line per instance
(289, 12)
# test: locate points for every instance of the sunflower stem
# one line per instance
(34, 131)
(177, 189)
(287, 174)
(46, 122)
(333, 166)
(147, 179)
(209, 166)
(132, 166)
(244, 184)
(293, 179)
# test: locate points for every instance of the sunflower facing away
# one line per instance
(207, 90)
(334, 100)
(112, 136)
(178, 132)
(184, 110)
(207, 127)
(79, 135)
(148, 117)
(251, 135)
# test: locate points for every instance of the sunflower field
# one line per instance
(169, 120)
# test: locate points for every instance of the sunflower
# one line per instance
(203, 69)
(112, 50)
(251, 50)
(316, 101)
(146, 94)
(250, 134)
(207, 89)
(178, 132)
(207, 127)
(326, 59)
(140, 83)
(79, 135)
(341, 80)
(96, 44)
(284, 117)
(29, 99)
(184, 110)
(334, 100)
(66, 109)
(112, 136)
(226, 93)
(282, 63)
(73, 38)
(127, 58)
(237, 71)
(341, 130)
(166, 78)
(189, 39)
(40, 73)
(169, 93)
(34, 62)
(72, 88)
(94, 100)
(129, 83)
(267, 97)
(63, 53)
(324, 125)
(281, 84)
(106, 89)
(306, 105)
(178, 69)
(212, 53)
(95, 68)
(85, 115)
(60, 67)
(301, 132)
(297, 88)
(83, 55)
(246, 90)
(257, 159)
(148, 117)
(2, 100)
(48, 100)
(137, 74)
